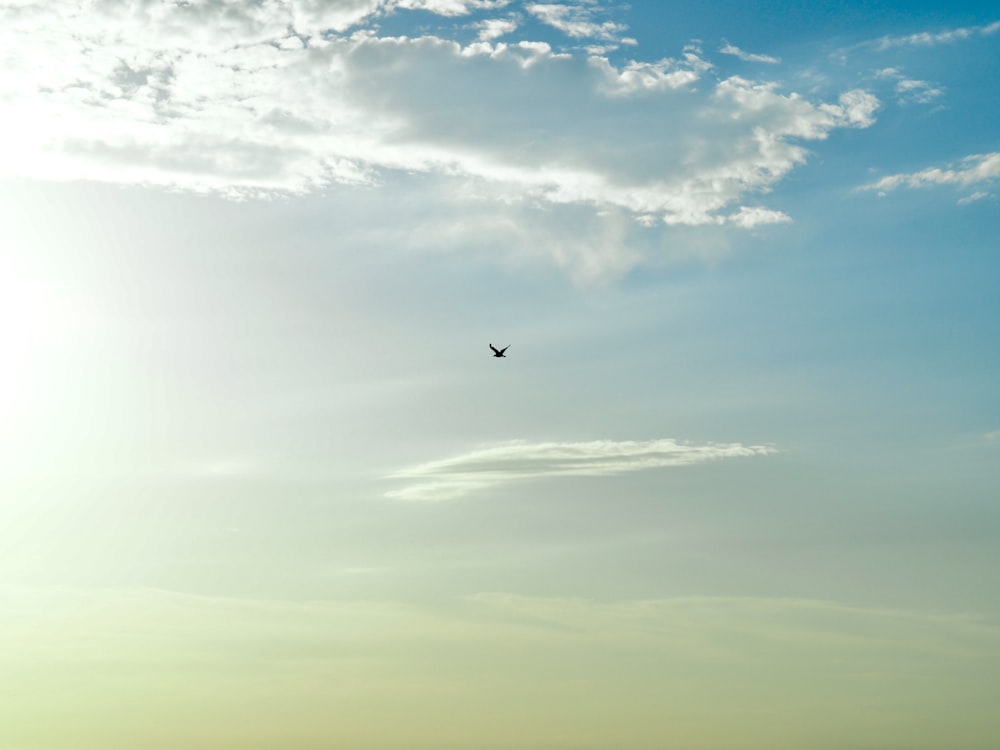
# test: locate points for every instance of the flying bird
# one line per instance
(499, 352)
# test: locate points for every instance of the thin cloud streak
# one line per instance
(930, 39)
(449, 478)
(731, 49)
(971, 170)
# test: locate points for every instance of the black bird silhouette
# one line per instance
(499, 352)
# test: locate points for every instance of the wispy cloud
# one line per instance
(972, 170)
(910, 90)
(973, 197)
(730, 49)
(578, 20)
(445, 7)
(921, 92)
(932, 38)
(448, 478)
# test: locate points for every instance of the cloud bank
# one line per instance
(294, 95)
(453, 477)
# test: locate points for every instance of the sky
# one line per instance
(736, 484)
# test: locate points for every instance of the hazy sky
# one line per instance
(736, 484)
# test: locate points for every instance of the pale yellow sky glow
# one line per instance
(162, 670)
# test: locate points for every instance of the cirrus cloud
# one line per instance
(731, 49)
(909, 90)
(976, 169)
(933, 38)
(453, 477)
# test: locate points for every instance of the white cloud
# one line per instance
(315, 16)
(452, 477)
(972, 170)
(909, 90)
(495, 27)
(857, 109)
(920, 92)
(447, 7)
(977, 196)
(729, 49)
(576, 20)
(202, 98)
(930, 39)
(754, 216)
(663, 75)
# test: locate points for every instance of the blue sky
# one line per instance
(735, 484)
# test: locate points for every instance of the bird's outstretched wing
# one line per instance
(505, 349)
(495, 350)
